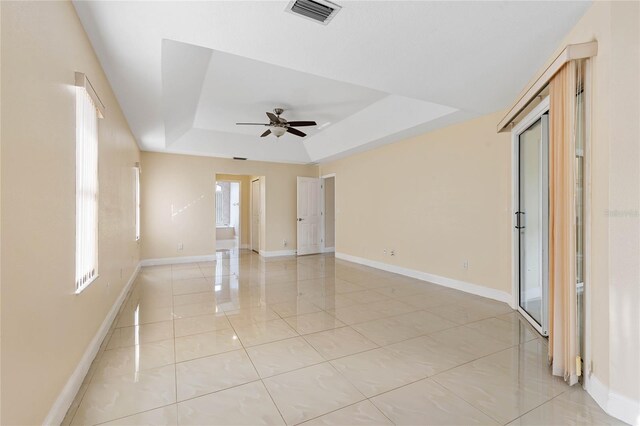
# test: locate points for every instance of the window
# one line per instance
(136, 171)
(86, 189)
(219, 206)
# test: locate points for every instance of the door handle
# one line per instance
(299, 219)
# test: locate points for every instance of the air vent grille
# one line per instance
(240, 158)
(318, 10)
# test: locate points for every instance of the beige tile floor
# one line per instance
(244, 340)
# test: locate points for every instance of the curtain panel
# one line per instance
(564, 123)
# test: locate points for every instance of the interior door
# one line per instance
(532, 223)
(255, 215)
(309, 215)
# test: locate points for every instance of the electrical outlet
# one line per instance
(392, 252)
(284, 243)
(384, 251)
(465, 264)
(180, 246)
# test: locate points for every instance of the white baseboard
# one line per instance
(279, 253)
(328, 250)
(173, 260)
(476, 289)
(616, 405)
(65, 399)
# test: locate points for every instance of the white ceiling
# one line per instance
(186, 72)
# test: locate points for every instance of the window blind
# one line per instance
(136, 171)
(86, 189)
(219, 208)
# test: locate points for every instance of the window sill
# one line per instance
(87, 284)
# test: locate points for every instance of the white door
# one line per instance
(255, 215)
(309, 215)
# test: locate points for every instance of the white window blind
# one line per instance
(219, 207)
(136, 171)
(86, 189)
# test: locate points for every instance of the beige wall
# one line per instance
(178, 202)
(245, 204)
(614, 264)
(329, 212)
(437, 199)
(46, 327)
(444, 196)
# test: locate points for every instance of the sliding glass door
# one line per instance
(532, 222)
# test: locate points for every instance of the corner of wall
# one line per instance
(614, 404)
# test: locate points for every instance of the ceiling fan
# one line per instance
(279, 126)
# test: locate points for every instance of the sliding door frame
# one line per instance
(533, 116)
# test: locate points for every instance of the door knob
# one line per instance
(299, 219)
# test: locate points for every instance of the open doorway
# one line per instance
(256, 214)
(228, 229)
(329, 213)
(232, 214)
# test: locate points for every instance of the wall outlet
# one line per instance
(392, 252)
(180, 246)
(465, 264)
(384, 251)
(284, 243)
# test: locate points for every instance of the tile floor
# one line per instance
(245, 340)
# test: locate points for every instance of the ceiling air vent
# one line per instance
(318, 10)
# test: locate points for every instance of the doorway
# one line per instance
(329, 213)
(255, 215)
(309, 215)
(315, 215)
(531, 147)
(228, 228)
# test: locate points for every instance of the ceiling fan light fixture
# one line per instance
(278, 131)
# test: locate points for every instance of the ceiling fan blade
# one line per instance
(253, 124)
(295, 132)
(273, 117)
(301, 123)
(267, 133)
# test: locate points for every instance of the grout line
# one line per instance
(175, 358)
(434, 377)
(337, 409)
(103, 348)
(258, 374)
(322, 278)
(538, 406)
(135, 414)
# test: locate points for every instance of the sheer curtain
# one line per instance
(564, 122)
